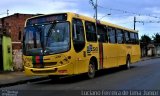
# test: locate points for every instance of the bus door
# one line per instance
(79, 46)
(1, 55)
(102, 38)
(121, 47)
(110, 49)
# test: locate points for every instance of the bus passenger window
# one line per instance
(111, 35)
(78, 35)
(136, 38)
(102, 32)
(126, 34)
(132, 38)
(120, 36)
(91, 31)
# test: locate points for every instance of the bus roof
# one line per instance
(89, 19)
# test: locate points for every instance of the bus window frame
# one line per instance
(95, 41)
(105, 33)
(112, 28)
(117, 35)
(76, 36)
(128, 33)
(132, 40)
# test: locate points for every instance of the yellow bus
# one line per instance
(68, 44)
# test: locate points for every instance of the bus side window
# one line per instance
(127, 38)
(102, 32)
(132, 38)
(136, 38)
(91, 31)
(120, 36)
(112, 35)
(78, 35)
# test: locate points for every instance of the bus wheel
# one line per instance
(91, 70)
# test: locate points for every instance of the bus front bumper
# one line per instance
(60, 70)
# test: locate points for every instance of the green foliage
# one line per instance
(156, 38)
(145, 39)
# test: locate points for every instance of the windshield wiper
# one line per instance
(50, 30)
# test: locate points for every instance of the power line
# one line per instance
(148, 21)
(129, 12)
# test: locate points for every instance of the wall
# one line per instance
(17, 60)
(7, 54)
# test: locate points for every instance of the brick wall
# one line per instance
(15, 26)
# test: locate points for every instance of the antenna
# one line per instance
(7, 12)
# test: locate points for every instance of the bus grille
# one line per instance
(45, 64)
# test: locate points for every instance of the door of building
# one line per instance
(1, 54)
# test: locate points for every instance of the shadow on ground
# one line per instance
(83, 77)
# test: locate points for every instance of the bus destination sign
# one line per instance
(47, 19)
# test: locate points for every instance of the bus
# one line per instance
(65, 44)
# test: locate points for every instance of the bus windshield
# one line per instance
(46, 39)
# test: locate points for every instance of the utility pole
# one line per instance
(7, 12)
(134, 22)
(96, 10)
(96, 14)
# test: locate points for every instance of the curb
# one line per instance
(150, 58)
(23, 81)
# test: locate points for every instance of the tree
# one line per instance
(156, 38)
(145, 39)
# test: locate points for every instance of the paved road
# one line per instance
(144, 75)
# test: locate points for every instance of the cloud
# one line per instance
(35, 6)
(154, 10)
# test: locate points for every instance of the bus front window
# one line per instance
(46, 39)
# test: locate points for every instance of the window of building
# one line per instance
(78, 35)
(120, 38)
(90, 31)
(102, 32)
(112, 35)
(19, 35)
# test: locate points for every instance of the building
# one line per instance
(14, 24)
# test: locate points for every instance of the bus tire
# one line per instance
(91, 70)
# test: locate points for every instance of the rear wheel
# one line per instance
(91, 70)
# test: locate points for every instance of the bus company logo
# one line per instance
(89, 49)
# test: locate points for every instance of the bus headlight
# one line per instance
(27, 64)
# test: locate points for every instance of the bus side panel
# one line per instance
(110, 55)
(135, 53)
(121, 54)
(81, 62)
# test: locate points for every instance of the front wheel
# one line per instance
(91, 70)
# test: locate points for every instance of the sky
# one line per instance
(120, 12)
